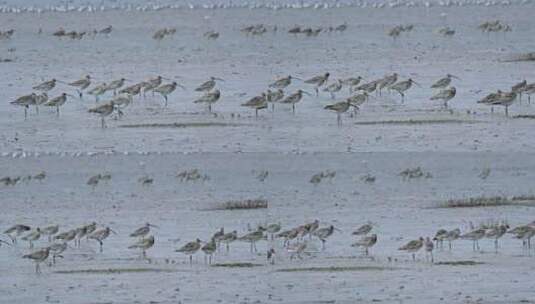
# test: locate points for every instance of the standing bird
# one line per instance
(45, 86)
(387, 81)
(25, 101)
(209, 249)
(121, 102)
(32, 236)
(103, 111)
(38, 257)
(116, 84)
(297, 249)
(143, 244)
(253, 237)
(39, 100)
(519, 88)
(402, 86)
(66, 236)
(57, 249)
(443, 82)
(50, 231)
(351, 82)
(413, 246)
(209, 98)
(257, 103)
(505, 99)
(98, 90)
(368, 87)
(496, 233)
(333, 88)
(271, 256)
(190, 249)
(81, 84)
(228, 238)
(166, 89)
(474, 236)
(445, 95)
(490, 99)
(282, 83)
(429, 246)
(57, 102)
(142, 231)
(366, 242)
(208, 85)
(323, 234)
(318, 81)
(363, 230)
(440, 236)
(274, 96)
(272, 229)
(293, 99)
(339, 108)
(288, 235)
(15, 231)
(452, 236)
(100, 235)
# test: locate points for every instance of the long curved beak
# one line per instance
(455, 77)
(181, 86)
(154, 226)
(307, 93)
(338, 229)
(417, 83)
(72, 96)
(297, 78)
(60, 81)
(169, 79)
(113, 231)
(220, 79)
(128, 80)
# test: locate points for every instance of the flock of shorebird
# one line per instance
(358, 89)
(294, 239)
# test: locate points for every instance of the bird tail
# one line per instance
(329, 107)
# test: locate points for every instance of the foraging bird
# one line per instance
(32, 236)
(143, 244)
(323, 234)
(25, 101)
(142, 231)
(208, 85)
(166, 89)
(103, 111)
(413, 246)
(45, 86)
(366, 242)
(333, 88)
(443, 82)
(81, 84)
(445, 95)
(50, 231)
(190, 249)
(294, 98)
(402, 86)
(363, 230)
(339, 108)
(318, 81)
(100, 235)
(38, 257)
(209, 98)
(57, 102)
(257, 103)
(15, 231)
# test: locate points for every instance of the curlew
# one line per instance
(351, 82)
(115, 84)
(209, 98)
(66, 236)
(190, 249)
(81, 84)
(45, 86)
(318, 81)
(16, 230)
(253, 237)
(103, 111)
(57, 102)
(57, 249)
(143, 244)
(209, 250)
(339, 108)
(333, 88)
(32, 236)
(387, 81)
(50, 231)
(368, 87)
(366, 242)
(323, 234)
(293, 99)
(474, 236)
(288, 235)
(228, 238)
(39, 100)
(297, 250)
(142, 231)
(442, 83)
(98, 90)
(363, 230)
(452, 236)
(445, 95)
(440, 236)
(167, 89)
(272, 229)
(208, 85)
(25, 101)
(274, 97)
(282, 83)
(402, 86)
(122, 101)
(496, 233)
(413, 246)
(38, 257)
(100, 235)
(505, 99)
(256, 103)
(429, 246)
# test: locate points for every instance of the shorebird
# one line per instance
(333, 88)
(66, 236)
(288, 235)
(50, 231)
(103, 110)
(529, 90)
(271, 256)
(98, 90)
(440, 236)
(167, 89)
(318, 81)
(363, 230)
(490, 99)
(253, 237)
(496, 233)
(80, 232)
(309, 228)
(209, 249)
(122, 101)
(106, 31)
(116, 84)
(45, 86)
(218, 235)
(366, 242)
(32, 236)
(100, 235)
(228, 238)
(505, 99)
(323, 234)
(142, 231)
(272, 229)
(81, 84)
(351, 82)
(208, 85)
(357, 100)
(143, 244)
(387, 81)
(133, 90)
(429, 246)
(257, 103)
(39, 100)
(209, 98)
(402, 86)
(57, 102)
(524, 233)
(16, 230)
(293, 99)
(413, 246)
(282, 83)
(368, 87)
(474, 236)
(443, 82)
(445, 95)
(274, 96)
(297, 249)
(190, 249)
(519, 88)
(38, 257)
(57, 249)
(25, 101)
(339, 108)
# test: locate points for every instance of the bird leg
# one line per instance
(100, 242)
(293, 108)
